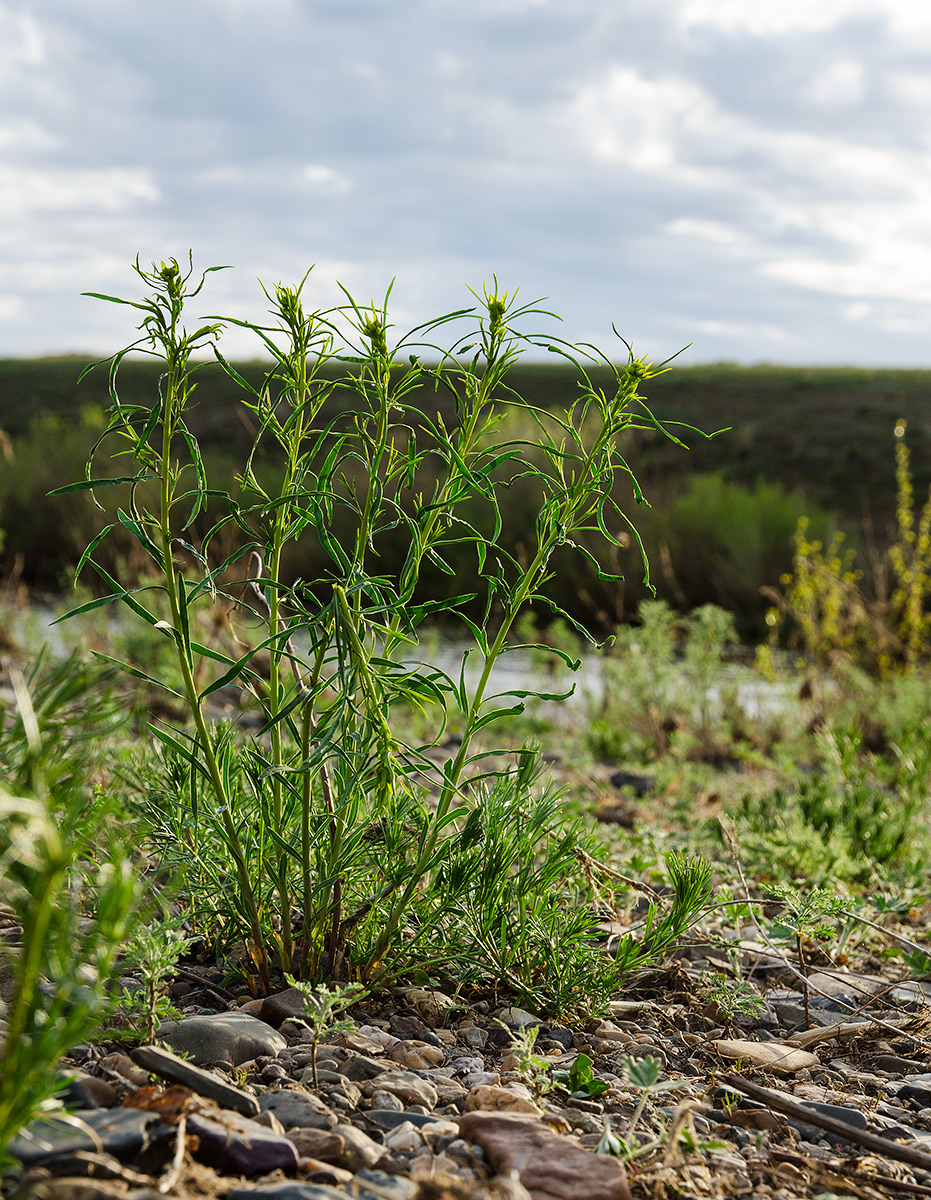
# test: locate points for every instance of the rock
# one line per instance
(418, 1056)
(488, 1098)
(431, 1005)
(316, 1171)
(812, 1133)
(362, 1068)
(290, 1190)
(854, 987)
(475, 1037)
(385, 1118)
(775, 1056)
(81, 1188)
(321, 1144)
(406, 1086)
(87, 1091)
(405, 1137)
(481, 1079)
(917, 1092)
(384, 1186)
(386, 1101)
(168, 1066)
(298, 1110)
(231, 1037)
(123, 1132)
(893, 1064)
(405, 1023)
(361, 1043)
(640, 785)
(359, 1150)
(517, 1018)
(123, 1065)
(282, 1006)
(550, 1167)
(232, 1143)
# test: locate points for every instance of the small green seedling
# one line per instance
(580, 1080)
(154, 952)
(324, 1004)
(531, 1066)
(732, 998)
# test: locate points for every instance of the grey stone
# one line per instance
(387, 1118)
(302, 1110)
(517, 1018)
(231, 1037)
(359, 1150)
(407, 1087)
(361, 1068)
(168, 1066)
(283, 1006)
(232, 1143)
(123, 1132)
(87, 1091)
(395, 1186)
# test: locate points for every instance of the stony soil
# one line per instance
(425, 1097)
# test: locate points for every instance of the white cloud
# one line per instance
(842, 82)
(27, 191)
(327, 181)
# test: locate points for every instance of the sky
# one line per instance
(751, 178)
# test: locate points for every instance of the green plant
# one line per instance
(154, 952)
(805, 918)
(533, 1068)
(323, 1006)
(345, 411)
(55, 866)
(732, 998)
(643, 1075)
(580, 1080)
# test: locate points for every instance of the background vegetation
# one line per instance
(801, 441)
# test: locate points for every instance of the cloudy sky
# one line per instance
(750, 176)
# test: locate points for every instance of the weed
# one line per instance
(322, 1008)
(296, 812)
(154, 952)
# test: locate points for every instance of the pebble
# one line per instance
(323, 1144)
(550, 1167)
(301, 1110)
(404, 1137)
(775, 1056)
(418, 1056)
(359, 1150)
(363, 1068)
(501, 1099)
(517, 1018)
(235, 1144)
(406, 1086)
(475, 1037)
(231, 1037)
(178, 1070)
(122, 1132)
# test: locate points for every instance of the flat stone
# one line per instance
(850, 1116)
(168, 1066)
(359, 1150)
(517, 1018)
(431, 1005)
(406, 1023)
(395, 1186)
(893, 1064)
(298, 1110)
(361, 1068)
(417, 1055)
(87, 1091)
(283, 1006)
(489, 1098)
(232, 1143)
(231, 1037)
(550, 1167)
(288, 1191)
(917, 1092)
(325, 1145)
(386, 1118)
(123, 1132)
(406, 1086)
(774, 1056)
